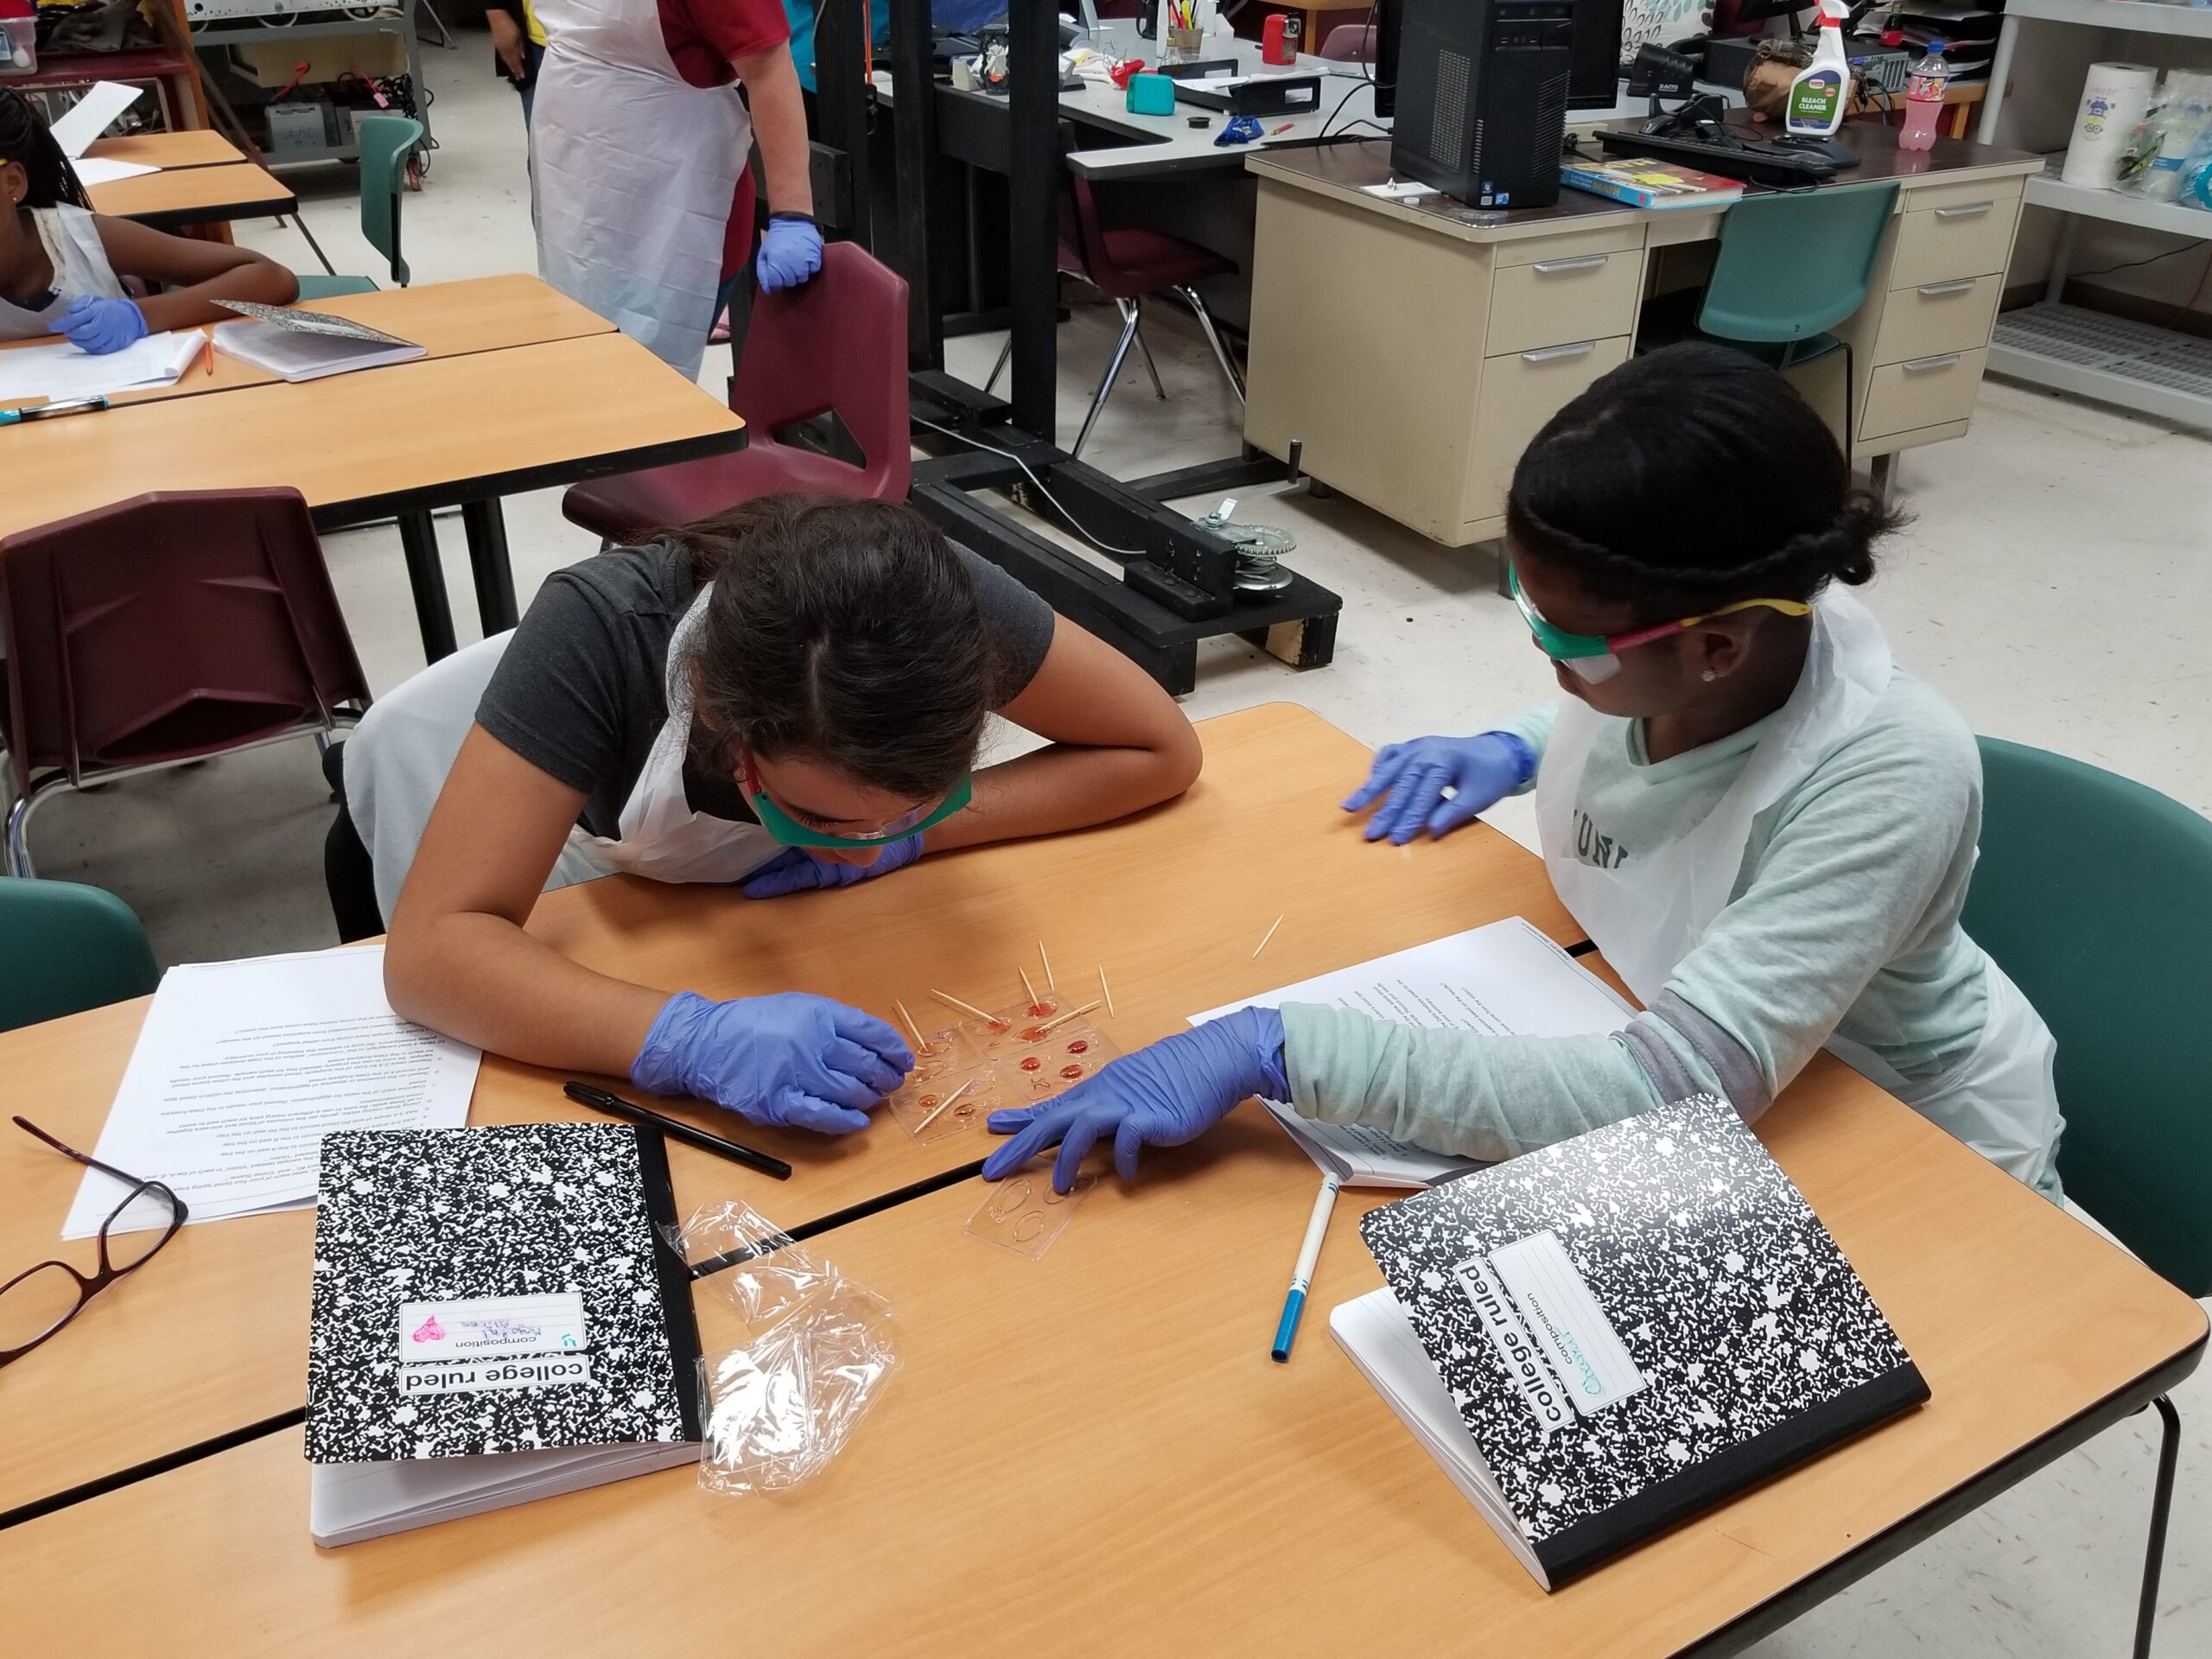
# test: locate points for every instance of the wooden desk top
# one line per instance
(193, 195)
(1096, 1446)
(483, 314)
(199, 148)
(224, 1306)
(360, 445)
(1345, 170)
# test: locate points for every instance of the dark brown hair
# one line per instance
(1692, 478)
(847, 631)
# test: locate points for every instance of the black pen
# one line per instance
(600, 1101)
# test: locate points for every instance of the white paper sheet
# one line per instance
(1505, 979)
(94, 170)
(62, 370)
(244, 1066)
(92, 115)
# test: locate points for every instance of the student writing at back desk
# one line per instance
(61, 264)
(1765, 825)
(787, 697)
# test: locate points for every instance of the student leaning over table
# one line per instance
(61, 264)
(787, 696)
(1765, 825)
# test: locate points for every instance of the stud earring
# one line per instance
(1710, 675)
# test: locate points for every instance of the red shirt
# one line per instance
(702, 37)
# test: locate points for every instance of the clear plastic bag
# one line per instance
(818, 1350)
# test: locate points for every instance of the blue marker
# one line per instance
(1302, 1275)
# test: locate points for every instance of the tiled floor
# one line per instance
(2057, 586)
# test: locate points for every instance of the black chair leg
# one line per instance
(2162, 1503)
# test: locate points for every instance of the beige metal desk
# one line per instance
(1415, 348)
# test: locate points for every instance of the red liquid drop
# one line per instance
(1039, 1010)
(1032, 1063)
(929, 1100)
(1071, 1070)
(1081, 1046)
(1035, 1034)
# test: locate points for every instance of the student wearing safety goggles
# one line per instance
(786, 697)
(1765, 825)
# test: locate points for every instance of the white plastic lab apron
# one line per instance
(660, 836)
(1648, 912)
(397, 759)
(74, 248)
(634, 171)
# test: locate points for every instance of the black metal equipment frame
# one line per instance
(1176, 581)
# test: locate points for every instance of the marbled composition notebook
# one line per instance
(500, 1295)
(1631, 1325)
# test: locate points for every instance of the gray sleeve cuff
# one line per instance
(1684, 1053)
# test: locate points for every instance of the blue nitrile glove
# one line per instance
(789, 1060)
(1163, 1096)
(791, 251)
(1480, 772)
(101, 326)
(798, 870)
(1240, 129)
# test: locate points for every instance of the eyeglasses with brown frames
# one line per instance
(40, 1301)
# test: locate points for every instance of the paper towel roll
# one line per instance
(2115, 100)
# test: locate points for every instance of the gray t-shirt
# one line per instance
(582, 691)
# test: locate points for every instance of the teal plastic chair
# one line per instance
(2094, 893)
(386, 142)
(1791, 266)
(64, 948)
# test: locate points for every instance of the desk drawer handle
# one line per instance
(1585, 262)
(1932, 290)
(1553, 354)
(1922, 366)
(1970, 210)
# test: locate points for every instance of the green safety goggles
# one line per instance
(1595, 657)
(790, 832)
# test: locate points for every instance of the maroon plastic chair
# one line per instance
(835, 345)
(163, 629)
(1127, 266)
(1349, 43)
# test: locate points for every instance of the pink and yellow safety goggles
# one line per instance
(1596, 656)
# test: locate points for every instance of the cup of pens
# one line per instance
(1182, 31)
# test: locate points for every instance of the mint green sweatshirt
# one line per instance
(1844, 918)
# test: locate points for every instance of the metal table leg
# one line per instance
(418, 540)
(487, 559)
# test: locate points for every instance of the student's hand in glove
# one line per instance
(791, 252)
(1412, 778)
(101, 326)
(796, 870)
(1163, 1096)
(789, 1060)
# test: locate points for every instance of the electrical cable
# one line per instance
(1366, 80)
(1073, 523)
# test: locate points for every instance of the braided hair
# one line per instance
(24, 139)
(1689, 479)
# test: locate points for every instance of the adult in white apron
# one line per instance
(396, 760)
(1647, 913)
(634, 171)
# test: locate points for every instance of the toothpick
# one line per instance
(1051, 984)
(1062, 1019)
(1107, 988)
(1025, 984)
(966, 1007)
(946, 1101)
(914, 1025)
(1269, 934)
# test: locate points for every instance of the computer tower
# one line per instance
(1481, 97)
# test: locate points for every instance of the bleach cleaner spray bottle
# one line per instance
(1819, 95)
